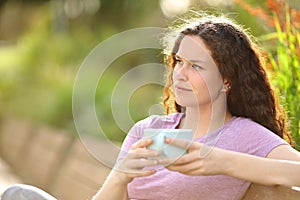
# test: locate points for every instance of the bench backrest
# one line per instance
(261, 192)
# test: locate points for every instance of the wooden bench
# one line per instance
(262, 192)
(46, 151)
(82, 174)
(15, 136)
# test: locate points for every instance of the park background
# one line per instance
(43, 44)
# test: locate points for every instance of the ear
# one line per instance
(225, 81)
(226, 85)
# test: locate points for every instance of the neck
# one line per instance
(205, 119)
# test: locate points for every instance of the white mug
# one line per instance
(158, 137)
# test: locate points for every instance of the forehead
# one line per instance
(193, 48)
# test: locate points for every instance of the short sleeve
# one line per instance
(255, 139)
(132, 137)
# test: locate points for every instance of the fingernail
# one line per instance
(168, 140)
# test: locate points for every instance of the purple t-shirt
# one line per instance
(239, 134)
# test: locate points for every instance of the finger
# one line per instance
(187, 168)
(181, 160)
(167, 161)
(142, 153)
(141, 173)
(170, 161)
(185, 144)
(136, 172)
(142, 143)
(137, 164)
(193, 168)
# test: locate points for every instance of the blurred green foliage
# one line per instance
(282, 43)
(38, 72)
(38, 68)
(285, 62)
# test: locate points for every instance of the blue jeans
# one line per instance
(25, 192)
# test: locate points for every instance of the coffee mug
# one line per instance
(158, 137)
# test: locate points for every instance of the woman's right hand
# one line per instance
(136, 159)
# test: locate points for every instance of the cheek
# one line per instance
(208, 84)
(199, 84)
(215, 85)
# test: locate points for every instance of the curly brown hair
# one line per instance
(240, 62)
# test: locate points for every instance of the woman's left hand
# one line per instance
(199, 160)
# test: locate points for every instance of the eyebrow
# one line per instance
(197, 61)
(191, 61)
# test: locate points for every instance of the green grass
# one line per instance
(285, 69)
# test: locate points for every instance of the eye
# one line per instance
(198, 67)
(178, 61)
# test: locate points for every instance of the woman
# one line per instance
(218, 88)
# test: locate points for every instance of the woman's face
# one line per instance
(196, 77)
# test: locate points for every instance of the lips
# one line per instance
(181, 88)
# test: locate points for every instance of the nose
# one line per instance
(180, 72)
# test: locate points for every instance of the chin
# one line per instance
(186, 103)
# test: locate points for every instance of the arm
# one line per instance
(126, 169)
(205, 160)
(266, 171)
(113, 183)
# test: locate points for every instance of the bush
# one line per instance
(283, 50)
(285, 68)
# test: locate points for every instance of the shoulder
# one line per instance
(241, 121)
(253, 138)
(248, 126)
(155, 121)
(160, 121)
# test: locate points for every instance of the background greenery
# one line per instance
(285, 68)
(43, 43)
